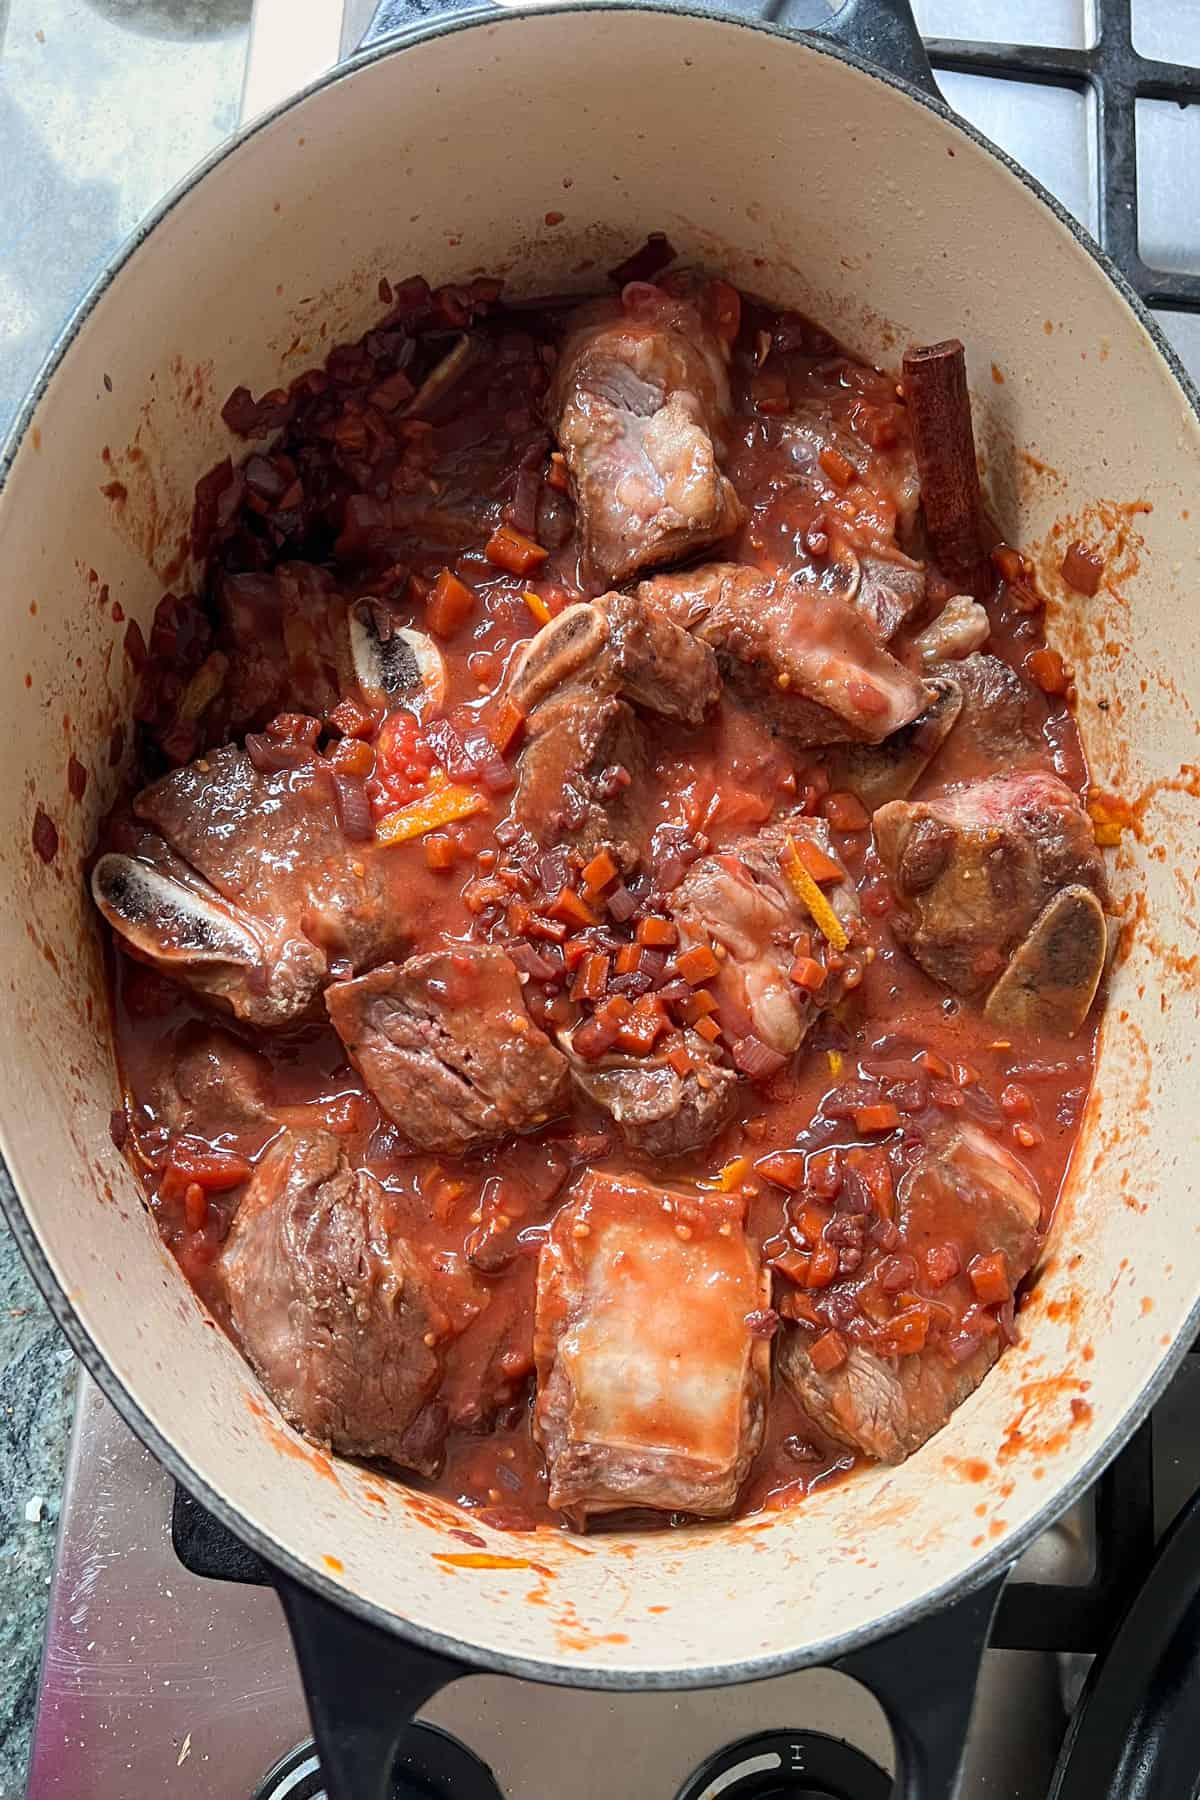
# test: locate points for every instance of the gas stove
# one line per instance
(168, 1666)
(159, 1680)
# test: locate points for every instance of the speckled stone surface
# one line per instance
(103, 106)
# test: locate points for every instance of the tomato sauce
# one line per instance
(483, 453)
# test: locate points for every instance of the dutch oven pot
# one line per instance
(797, 167)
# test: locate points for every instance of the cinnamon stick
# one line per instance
(935, 386)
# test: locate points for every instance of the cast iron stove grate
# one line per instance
(1119, 76)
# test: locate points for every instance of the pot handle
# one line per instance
(925, 1679)
(363, 1688)
(881, 31)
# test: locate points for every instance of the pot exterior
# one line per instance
(543, 147)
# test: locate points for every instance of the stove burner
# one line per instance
(431, 1765)
(788, 1765)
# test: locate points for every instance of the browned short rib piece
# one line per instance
(652, 1377)
(889, 771)
(804, 659)
(620, 645)
(973, 869)
(965, 1188)
(640, 405)
(335, 1312)
(935, 386)
(581, 779)
(244, 886)
(660, 1113)
(447, 1048)
(739, 899)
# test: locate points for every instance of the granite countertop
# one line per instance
(104, 104)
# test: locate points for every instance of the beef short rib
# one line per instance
(446, 1046)
(652, 1382)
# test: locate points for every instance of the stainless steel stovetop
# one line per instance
(158, 1682)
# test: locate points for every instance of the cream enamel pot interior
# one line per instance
(799, 171)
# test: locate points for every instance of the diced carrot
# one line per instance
(822, 1264)
(592, 979)
(629, 958)
(660, 934)
(814, 859)
(567, 906)
(797, 1305)
(697, 964)
(823, 1172)
(537, 606)
(793, 1264)
(556, 474)
(599, 872)
(512, 550)
(646, 1022)
(942, 1264)
(808, 974)
(352, 720)
(427, 813)
(906, 1332)
(708, 1029)
(679, 1060)
(989, 1278)
(449, 605)
(872, 1164)
(441, 852)
(576, 950)
(697, 1006)
(828, 1352)
(881, 1117)
(350, 756)
(1028, 1136)
(1010, 563)
(965, 1074)
(541, 927)
(1082, 569)
(192, 1160)
(616, 1009)
(1047, 668)
(845, 812)
(933, 1064)
(839, 468)
(509, 727)
(784, 1167)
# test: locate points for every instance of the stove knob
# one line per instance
(431, 1765)
(788, 1765)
